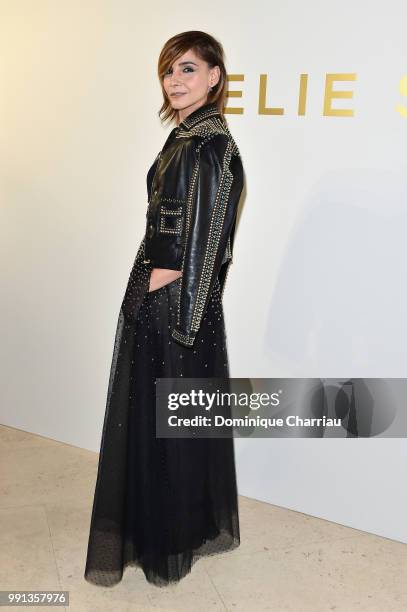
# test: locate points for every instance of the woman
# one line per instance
(163, 503)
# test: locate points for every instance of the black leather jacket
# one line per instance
(193, 187)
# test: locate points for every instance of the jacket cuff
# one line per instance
(182, 337)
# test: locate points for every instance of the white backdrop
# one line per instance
(317, 285)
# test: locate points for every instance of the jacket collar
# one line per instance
(203, 112)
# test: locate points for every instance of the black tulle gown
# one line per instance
(160, 504)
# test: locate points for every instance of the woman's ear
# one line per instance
(215, 74)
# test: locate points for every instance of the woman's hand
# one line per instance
(162, 276)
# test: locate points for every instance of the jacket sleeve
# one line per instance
(212, 203)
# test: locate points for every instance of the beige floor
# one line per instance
(287, 560)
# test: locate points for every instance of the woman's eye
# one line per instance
(188, 68)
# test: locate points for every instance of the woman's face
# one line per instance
(187, 83)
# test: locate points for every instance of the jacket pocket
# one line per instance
(171, 219)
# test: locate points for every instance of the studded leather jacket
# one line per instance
(193, 188)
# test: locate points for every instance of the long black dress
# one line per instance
(160, 503)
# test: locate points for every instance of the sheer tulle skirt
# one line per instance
(160, 504)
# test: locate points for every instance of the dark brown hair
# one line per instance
(208, 49)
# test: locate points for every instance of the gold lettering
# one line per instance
(262, 99)
(330, 94)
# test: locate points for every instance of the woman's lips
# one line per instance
(176, 95)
